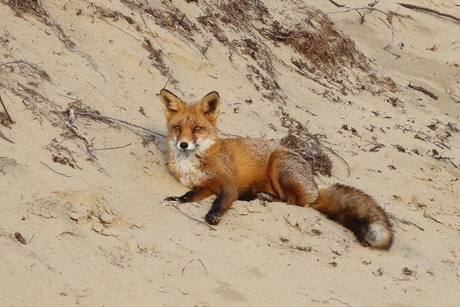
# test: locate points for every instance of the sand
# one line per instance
(83, 169)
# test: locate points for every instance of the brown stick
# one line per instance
(336, 4)
(424, 91)
(18, 236)
(421, 8)
(6, 111)
(192, 218)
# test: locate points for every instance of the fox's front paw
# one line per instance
(265, 197)
(179, 199)
(212, 218)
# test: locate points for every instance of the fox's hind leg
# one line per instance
(292, 177)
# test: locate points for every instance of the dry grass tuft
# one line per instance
(308, 145)
(21, 7)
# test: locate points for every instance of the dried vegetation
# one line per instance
(315, 49)
(307, 145)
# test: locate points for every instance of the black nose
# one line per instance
(183, 145)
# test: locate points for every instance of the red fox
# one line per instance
(245, 169)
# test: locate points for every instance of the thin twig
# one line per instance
(167, 81)
(40, 72)
(406, 222)
(425, 9)
(424, 91)
(100, 117)
(77, 132)
(18, 62)
(344, 161)
(196, 259)
(336, 299)
(55, 171)
(93, 158)
(70, 233)
(6, 111)
(103, 19)
(336, 4)
(110, 148)
(389, 17)
(192, 218)
(4, 136)
(348, 9)
(374, 3)
(441, 158)
(387, 47)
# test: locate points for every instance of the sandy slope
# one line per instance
(87, 198)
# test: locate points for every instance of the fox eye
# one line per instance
(176, 127)
(198, 128)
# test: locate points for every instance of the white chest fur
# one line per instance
(188, 166)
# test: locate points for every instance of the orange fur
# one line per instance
(243, 168)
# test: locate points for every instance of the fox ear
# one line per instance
(209, 106)
(171, 103)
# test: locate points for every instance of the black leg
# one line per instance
(213, 216)
(196, 194)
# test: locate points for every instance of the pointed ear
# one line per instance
(171, 103)
(209, 106)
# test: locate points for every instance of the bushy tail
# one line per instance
(358, 212)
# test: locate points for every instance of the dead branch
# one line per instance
(6, 111)
(425, 9)
(424, 91)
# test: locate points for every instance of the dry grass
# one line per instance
(307, 145)
(21, 7)
(319, 42)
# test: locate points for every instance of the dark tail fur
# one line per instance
(358, 212)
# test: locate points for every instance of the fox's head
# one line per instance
(191, 127)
